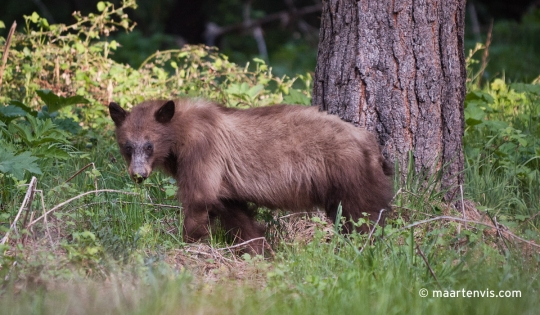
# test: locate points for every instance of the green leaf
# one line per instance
(34, 17)
(23, 106)
(2, 25)
(51, 152)
(55, 102)
(474, 115)
(17, 164)
(479, 97)
(526, 88)
(101, 6)
(113, 44)
(68, 124)
(10, 112)
(255, 90)
(296, 97)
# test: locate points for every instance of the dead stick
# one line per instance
(6, 51)
(208, 254)
(463, 220)
(267, 19)
(244, 243)
(372, 230)
(151, 204)
(29, 208)
(78, 197)
(427, 263)
(300, 213)
(499, 232)
(463, 205)
(45, 217)
(80, 171)
(29, 192)
(485, 55)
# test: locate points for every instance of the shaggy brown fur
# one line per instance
(281, 157)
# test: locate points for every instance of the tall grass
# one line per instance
(113, 252)
(118, 253)
(318, 278)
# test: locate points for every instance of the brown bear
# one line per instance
(286, 157)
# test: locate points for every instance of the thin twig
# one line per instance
(371, 231)
(78, 197)
(213, 255)
(198, 252)
(485, 55)
(29, 192)
(6, 51)
(244, 243)
(213, 31)
(29, 207)
(45, 218)
(151, 204)
(494, 219)
(427, 263)
(532, 217)
(299, 213)
(80, 171)
(444, 217)
(463, 205)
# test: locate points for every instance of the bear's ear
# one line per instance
(165, 113)
(118, 114)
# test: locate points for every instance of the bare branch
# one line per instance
(78, 197)
(427, 263)
(26, 200)
(80, 171)
(244, 243)
(6, 51)
(372, 230)
(449, 218)
(214, 31)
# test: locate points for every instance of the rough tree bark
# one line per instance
(397, 67)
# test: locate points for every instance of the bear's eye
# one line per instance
(148, 148)
(128, 149)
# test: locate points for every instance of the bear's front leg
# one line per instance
(196, 221)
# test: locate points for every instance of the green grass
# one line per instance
(319, 278)
(122, 254)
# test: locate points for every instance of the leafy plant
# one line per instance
(17, 164)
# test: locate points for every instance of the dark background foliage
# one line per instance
(290, 39)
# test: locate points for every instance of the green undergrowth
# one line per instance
(120, 250)
(325, 276)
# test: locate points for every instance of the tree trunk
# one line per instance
(397, 68)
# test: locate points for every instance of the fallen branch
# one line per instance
(371, 231)
(45, 218)
(6, 51)
(214, 31)
(78, 197)
(80, 171)
(213, 254)
(151, 204)
(449, 218)
(427, 264)
(300, 213)
(27, 199)
(244, 243)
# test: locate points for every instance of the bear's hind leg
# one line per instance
(239, 220)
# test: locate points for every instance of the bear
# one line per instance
(228, 160)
